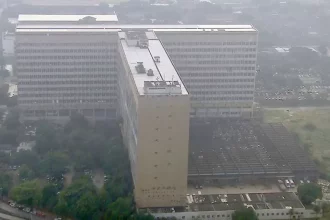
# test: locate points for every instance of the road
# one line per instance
(20, 214)
(9, 217)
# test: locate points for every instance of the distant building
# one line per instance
(217, 64)
(8, 44)
(153, 77)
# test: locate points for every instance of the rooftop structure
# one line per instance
(258, 201)
(65, 19)
(151, 68)
(267, 206)
(232, 148)
(169, 28)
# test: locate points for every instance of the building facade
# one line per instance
(154, 78)
(218, 68)
(155, 120)
(217, 64)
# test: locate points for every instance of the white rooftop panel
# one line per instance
(200, 28)
(63, 18)
(162, 71)
(135, 55)
(165, 66)
(66, 30)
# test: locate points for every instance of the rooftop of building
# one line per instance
(223, 202)
(26, 26)
(149, 64)
(27, 18)
(226, 148)
(61, 2)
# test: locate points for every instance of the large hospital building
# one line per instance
(153, 77)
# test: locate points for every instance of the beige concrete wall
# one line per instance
(162, 151)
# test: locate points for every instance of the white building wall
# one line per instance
(263, 214)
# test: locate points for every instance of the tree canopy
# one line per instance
(244, 214)
(309, 192)
(27, 193)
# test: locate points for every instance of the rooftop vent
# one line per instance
(140, 68)
(157, 59)
(150, 72)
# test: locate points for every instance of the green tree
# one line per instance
(27, 157)
(54, 164)
(309, 192)
(141, 217)
(317, 209)
(87, 207)
(77, 122)
(5, 158)
(46, 137)
(6, 183)
(25, 173)
(8, 136)
(49, 197)
(62, 207)
(12, 120)
(27, 193)
(244, 214)
(122, 208)
(68, 198)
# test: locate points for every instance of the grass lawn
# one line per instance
(312, 127)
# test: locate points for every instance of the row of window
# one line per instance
(65, 70)
(212, 56)
(103, 50)
(68, 101)
(217, 80)
(84, 44)
(67, 82)
(221, 92)
(210, 50)
(204, 74)
(214, 62)
(174, 43)
(62, 89)
(229, 215)
(208, 86)
(85, 63)
(61, 76)
(54, 57)
(217, 98)
(64, 95)
(218, 68)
